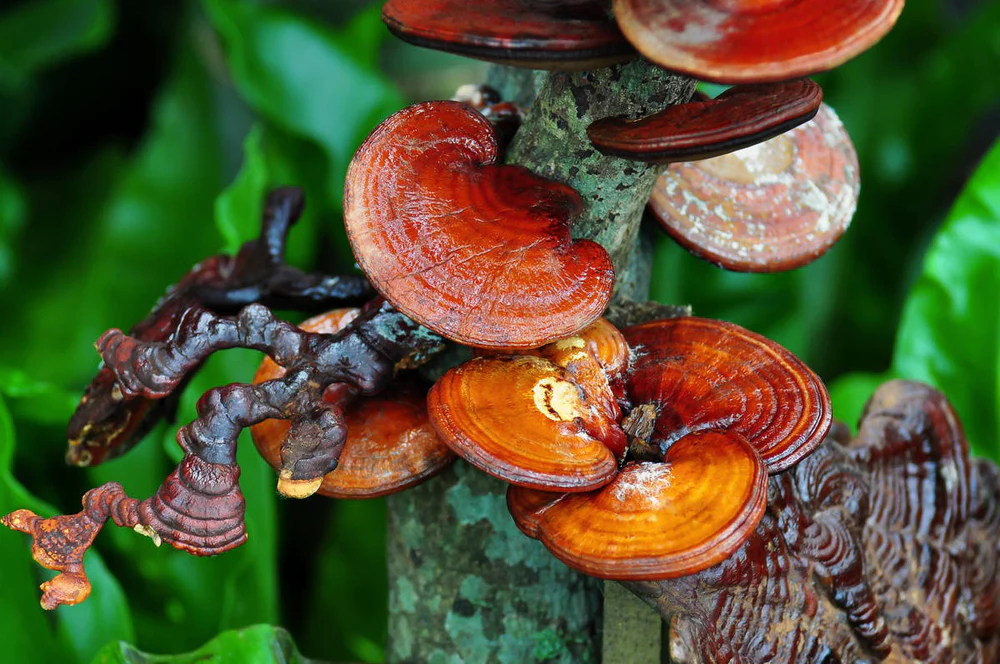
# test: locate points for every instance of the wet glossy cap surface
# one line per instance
(710, 374)
(478, 252)
(656, 520)
(538, 34)
(702, 128)
(753, 41)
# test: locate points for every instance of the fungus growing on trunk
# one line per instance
(538, 34)
(741, 116)
(753, 41)
(711, 409)
(655, 520)
(776, 206)
(478, 252)
(708, 374)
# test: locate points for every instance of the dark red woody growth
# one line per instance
(478, 252)
(537, 34)
(741, 116)
(753, 41)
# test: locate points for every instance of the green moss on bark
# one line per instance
(465, 585)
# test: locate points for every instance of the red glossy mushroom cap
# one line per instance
(739, 117)
(754, 41)
(478, 252)
(709, 374)
(655, 520)
(775, 206)
(523, 419)
(390, 443)
(538, 34)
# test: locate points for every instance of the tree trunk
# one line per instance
(465, 585)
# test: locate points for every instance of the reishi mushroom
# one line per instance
(655, 520)
(537, 34)
(390, 444)
(478, 252)
(741, 116)
(700, 373)
(775, 206)
(753, 41)
(712, 409)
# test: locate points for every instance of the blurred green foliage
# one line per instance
(135, 140)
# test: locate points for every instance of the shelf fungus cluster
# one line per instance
(683, 456)
(641, 454)
(880, 547)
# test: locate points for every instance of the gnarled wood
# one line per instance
(883, 547)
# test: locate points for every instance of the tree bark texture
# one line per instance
(465, 585)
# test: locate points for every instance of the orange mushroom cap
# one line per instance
(538, 34)
(740, 117)
(775, 206)
(754, 41)
(710, 374)
(596, 358)
(390, 444)
(523, 419)
(478, 252)
(655, 520)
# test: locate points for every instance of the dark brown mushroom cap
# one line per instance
(538, 34)
(754, 41)
(740, 117)
(775, 206)
(656, 520)
(523, 419)
(711, 374)
(478, 252)
(390, 443)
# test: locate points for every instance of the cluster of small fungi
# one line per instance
(683, 456)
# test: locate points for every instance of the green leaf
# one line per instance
(305, 78)
(13, 211)
(850, 393)
(273, 158)
(950, 331)
(68, 633)
(260, 644)
(39, 34)
(36, 400)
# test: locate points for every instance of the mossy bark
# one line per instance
(465, 585)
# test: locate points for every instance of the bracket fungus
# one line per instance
(878, 548)
(655, 520)
(390, 444)
(478, 252)
(741, 116)
(750, 41)
(537, 34)
(710, 409)
(702, 374)
(776, 206)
